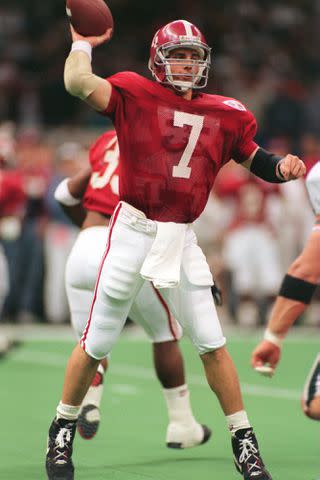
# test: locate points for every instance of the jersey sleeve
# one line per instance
(124, 84)
(245, 143)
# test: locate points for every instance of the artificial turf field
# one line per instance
(130, 444)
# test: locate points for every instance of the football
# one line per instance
(89, 17)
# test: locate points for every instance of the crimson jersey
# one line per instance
(172, 149)
(102, 193)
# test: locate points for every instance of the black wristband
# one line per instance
(265, 165)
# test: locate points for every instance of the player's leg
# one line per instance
(89, 418)
(152, 313)
(204, 330)
(311, 394)
(118, 283)
(81, 273)
(183, 430)
(196, 312)
(80, 371)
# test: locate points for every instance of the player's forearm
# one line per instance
(273, 168)
(81, 82)
(76, 214)
(78, 183)
(284, 314)
(265, 165)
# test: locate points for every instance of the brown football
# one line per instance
(89, 17)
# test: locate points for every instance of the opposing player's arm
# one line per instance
(273, 168)
(79, 79)
(69, 194)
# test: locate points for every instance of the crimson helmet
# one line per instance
(179, 34)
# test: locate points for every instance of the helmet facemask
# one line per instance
(164, 63)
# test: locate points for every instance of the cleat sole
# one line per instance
(86, 429)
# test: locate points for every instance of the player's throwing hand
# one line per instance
(94, 41)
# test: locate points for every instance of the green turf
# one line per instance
(130, 444)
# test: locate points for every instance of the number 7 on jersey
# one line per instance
(182, 170)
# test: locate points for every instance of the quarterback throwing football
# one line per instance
(173, 141)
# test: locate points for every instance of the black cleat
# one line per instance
(59, 464)
(247, 457)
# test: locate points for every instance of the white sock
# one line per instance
(67, 412)
(178, 404)
(237, 421)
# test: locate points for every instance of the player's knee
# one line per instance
(214, 347)
(97, 351)
(103, 332)
(99, 345)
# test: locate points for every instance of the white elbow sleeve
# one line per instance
(78, 77)
(62, 194)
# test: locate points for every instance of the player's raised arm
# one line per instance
(78, 77)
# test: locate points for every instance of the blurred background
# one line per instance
(265, 53)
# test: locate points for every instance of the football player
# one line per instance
(99, 188)
(297, 289)
(173, 140)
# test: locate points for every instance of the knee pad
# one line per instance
(100, 334)
(297, 289)
(119, 280)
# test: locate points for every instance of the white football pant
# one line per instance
(118, 283)
(149, 309)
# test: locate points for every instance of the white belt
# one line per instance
(136, 219)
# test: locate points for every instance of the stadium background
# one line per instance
(266, 54)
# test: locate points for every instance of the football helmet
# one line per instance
(179, 34)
